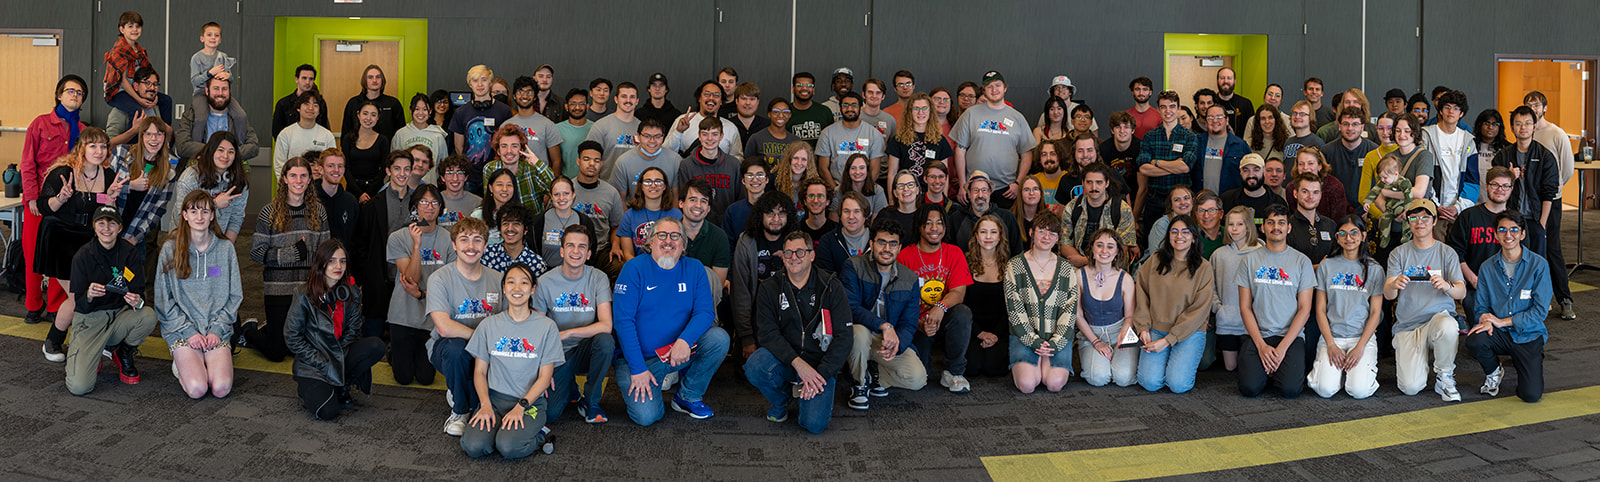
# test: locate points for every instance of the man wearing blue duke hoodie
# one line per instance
(663, 313)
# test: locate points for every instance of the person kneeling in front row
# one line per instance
(517, 351)
(323, 332)
(1513, 300)
(108, 276)
(803, 328)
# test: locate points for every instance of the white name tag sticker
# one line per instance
(1325, 236)
(1435, 272)
(1363, 134)
(1526, 295)
(488, 122)
(552, 237)
(863, 141)
(1008, 122)
(492, 297)
(1177, 148)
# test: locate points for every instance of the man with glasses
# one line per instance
(458, 203)
(1348, 153)
(1511, 312)
(964, 218)
(649, 153)
(753, 176)
(905, 85)
(942, 280)
(1473, 234)
(146, 87)
(847, 137)
(685, 135)
(803, 323)
(883, 305)
(50, 136)
(809, 118)
(1061, 87)
(543, 137)
(1166, 155)
(1223, 150)
(1301, 130)
(615, 132)
(1452, 146)
(1536, 194)
(1425, 281)
(663, 313)
(814, 199)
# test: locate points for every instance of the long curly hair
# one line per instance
(975, 249)
(309, 201)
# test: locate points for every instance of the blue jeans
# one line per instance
(774, 378)
(593, 356)
(709, 351)
(450, 357)
(1020, 353)
(1173, 367)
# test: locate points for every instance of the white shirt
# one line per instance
(1451, 152)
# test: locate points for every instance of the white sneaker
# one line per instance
(456, 424)
(956, 383)
(668, 380)
(1491, 383)
(1445, 385)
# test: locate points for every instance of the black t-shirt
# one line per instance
(816, 234)
(1313, 239)
(391, 115)
(1091, 216)
(769, 259)
(917, 154)
(1122, 161)
(1237, 197)
(665, 115)
(1239, 111)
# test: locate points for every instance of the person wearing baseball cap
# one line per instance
(658, 108)
(1252, 192)
(1425, 281)
(1061, 88)
(995, 138)
(107, 279)
(1395, 101)
(844, 80)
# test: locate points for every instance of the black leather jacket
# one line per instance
(308, 332)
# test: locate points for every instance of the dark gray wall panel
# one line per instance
(1393, 48)
(753, 38)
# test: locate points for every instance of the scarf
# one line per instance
(71, 117)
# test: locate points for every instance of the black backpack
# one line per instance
(12, 278)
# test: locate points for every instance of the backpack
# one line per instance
(12, 277)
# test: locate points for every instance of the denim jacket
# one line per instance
(1524, 298)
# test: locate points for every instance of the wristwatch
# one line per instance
(524, 403)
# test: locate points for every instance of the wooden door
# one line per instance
(28, 76)
(339, 76)
(1188, 76)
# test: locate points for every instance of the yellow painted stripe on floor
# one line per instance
(1221, 453)
(246, 359)
(1577, 287)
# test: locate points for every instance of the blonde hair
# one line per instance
(1388, 163)
(479, 71)
(1250, 226)
(782, 175)
(75, 158)
(161, 169)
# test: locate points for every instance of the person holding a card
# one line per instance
(77, 184)
(107, 279)
(287, 233)
(663, 313)
(1425, 281)
(803, 324)
(1106, 303)
(1041, 291)
(198, 293)
(1172, 302)
(1513, 300)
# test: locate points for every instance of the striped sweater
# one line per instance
(285, 267)
(1033, 316)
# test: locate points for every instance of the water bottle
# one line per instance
(1588, 151)
(13, 181)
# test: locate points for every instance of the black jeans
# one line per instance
(957, 330)
(993, 361)
(268, 338)
(1552, 253)
(1291, 374)
(408, 355)
(1528, 358)
(322, 399)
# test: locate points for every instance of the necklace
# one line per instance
(86, 177)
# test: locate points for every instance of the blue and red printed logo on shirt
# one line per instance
(515, 348)
(626, 140)
(476, 307)
(1418, 271)
(1273, 275)
(573, 300)
(852, 146)
(996, 126)
(1348, 281)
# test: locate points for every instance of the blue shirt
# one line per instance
(653, 307)
(216, 123)
(1524, 297)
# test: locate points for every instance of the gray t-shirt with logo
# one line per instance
(995, 140)
(465, 301)
(516, 350)
(572, 303)
(1275, 280)
(405, 310)
(838, 143)
(884, 122)
(1349, 288)
(633, 163)
(615, 137)
(542, 134)
(1419, 301)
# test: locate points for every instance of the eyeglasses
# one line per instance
(755, 175)
(1210, 210)
(780, 111)
(455, 173)
(652, 182)
(668, 236)
(967, 96)
(887, 243)
(1419, 111)
(428, 203)
(1347, 234)
(852, 106)
(941, 99)
(1512, 230)
(1216, 117)
(816, 196)
(795, 253)
(653, 136)
(923, 108)
(151, 83)
(805, 86)
(1496, 185)
(1420, 218)
(905, 84)
(1451, 107)
(905, 185)
(76, 92)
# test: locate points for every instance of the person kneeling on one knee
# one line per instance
(107, 276)
(1513, 300)
(803, 326)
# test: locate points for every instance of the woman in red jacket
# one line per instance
(49, 137)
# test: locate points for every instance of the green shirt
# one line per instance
(533, 182)
(710, 247)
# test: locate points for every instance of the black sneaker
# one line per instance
(872, 384)
(54, 351)
(34, 317)
(549, 445)
(345, 400)
(122, 357)
(858, 398)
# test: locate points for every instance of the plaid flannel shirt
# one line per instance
(533, 182)
(121, 61)
(155, 202)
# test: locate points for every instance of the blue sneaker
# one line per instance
(778, 413)
(592, 415)
(696, 409)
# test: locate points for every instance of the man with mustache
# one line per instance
(1098, 207)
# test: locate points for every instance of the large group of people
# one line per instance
(513, 241)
